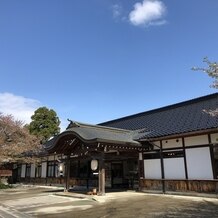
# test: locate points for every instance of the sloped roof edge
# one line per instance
(90, 134)
(164, 108)
(180, 118)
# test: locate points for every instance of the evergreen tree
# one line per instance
(45, 124)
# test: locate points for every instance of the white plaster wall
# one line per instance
(174, 168)
(152, 169)
(196, 140)
(172, 143)
(156, 143)
(199, 163)
(33, 170)
(44, 169)
(214, 138)
(23, 170)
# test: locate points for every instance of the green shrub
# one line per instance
(3, 186)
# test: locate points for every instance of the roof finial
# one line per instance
(72, 124)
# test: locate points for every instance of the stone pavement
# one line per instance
(38, 201)
(8, 212)
(110, 196)
(31, 201)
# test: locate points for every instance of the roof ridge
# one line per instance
(164, 108)
(80, 124)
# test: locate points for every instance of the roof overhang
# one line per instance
(180, 135)
(79, 136)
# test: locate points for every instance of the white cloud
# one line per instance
(149, 12)
(117, 10)
(20, 107)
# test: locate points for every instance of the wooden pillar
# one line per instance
(212, 156)
(46, 179)
(67, 173)
(185, 160)
(140, 168)
(185, 163)
(54, 164)
(101, 176)
(162, 167)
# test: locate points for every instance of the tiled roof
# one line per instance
(91, 134)
(179, 118)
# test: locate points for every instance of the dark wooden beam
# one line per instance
(212, 156)
(180, 135)
(67, 173)
(185, 159)
(162, 167)
(101, 176)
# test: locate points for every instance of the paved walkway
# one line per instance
(8, 212)
(33, 201)
(110, 196)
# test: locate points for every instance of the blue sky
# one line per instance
(97, 60)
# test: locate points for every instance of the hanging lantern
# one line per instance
(94, 165)
(61, 167)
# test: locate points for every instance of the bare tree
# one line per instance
(16, 143)
(212, 71)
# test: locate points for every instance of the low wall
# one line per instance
(202, 186)
(61, 181)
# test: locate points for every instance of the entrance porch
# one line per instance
(115, 150)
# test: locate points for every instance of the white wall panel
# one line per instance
(196, 140)
(44, 169)
(199, 163)
(156, 143)
(33, 170)
(214, 138)
(152, 169)
(23, 170)
(172, 143)
(174, 168)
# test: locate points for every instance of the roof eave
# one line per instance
(180, 135)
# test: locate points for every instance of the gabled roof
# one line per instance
(90, 135)
(96, 133)
(184, 117)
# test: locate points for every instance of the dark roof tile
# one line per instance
(179, 118)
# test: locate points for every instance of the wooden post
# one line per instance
(141, 166)
(140, 169)
(162, 167)
(101, 176)
(67, 173)
(212, 156)
(185, 163)
(46, 179)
